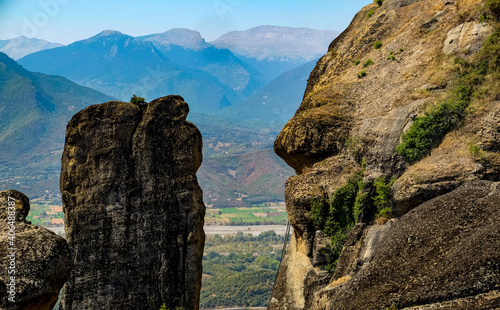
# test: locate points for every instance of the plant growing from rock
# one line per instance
(428, 131)
(356, 146)
(336, 215)
(382, 199)
(493, 6)
(138, 100)
(367, 63)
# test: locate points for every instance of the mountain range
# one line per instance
(276, 102)
(188, 49)
(274, 49)
(21, 46)
(35, 109)
(120, 65)
(237, 107)
(180, 61)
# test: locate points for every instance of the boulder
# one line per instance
(34, 259)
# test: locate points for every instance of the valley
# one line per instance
(238, 106)
(384, 141)
(239, 103)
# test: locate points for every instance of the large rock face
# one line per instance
(350, 122)
(133, 208)
(444, 250)
(37, 258)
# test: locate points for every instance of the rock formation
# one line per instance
(440, 249)
(41, 262)
(133, 208)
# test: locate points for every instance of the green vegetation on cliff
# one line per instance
(428, 131)
(382, 198)
(493, 7)
(336, 215)
(138, 100)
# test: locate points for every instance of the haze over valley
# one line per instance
(241, 89)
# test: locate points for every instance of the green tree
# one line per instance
(138, 100)
(383, 190)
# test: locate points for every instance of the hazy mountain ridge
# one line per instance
(179, 61)
(188, 39)
(35, 109)
(277, 101)
(274, 50)
(277, 43)
(188, 49)
(21, 46)
(222, 64)
(210, 79)
(120, 65)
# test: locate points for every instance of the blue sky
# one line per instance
(66, 21)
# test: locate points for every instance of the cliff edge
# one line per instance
(133, 208)
(396, 146)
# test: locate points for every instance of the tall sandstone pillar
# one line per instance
(133, 207)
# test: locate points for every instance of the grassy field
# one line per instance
(264, 213)
(44, 211)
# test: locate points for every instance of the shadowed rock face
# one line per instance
(42, 259)
(438, 253)
(133, 208)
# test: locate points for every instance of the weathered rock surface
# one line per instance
(392, 4)
(466, 36)
(345, 120)
(42, 261)
(445, 249)
(133, 208)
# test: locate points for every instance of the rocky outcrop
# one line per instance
(351, 123)
(466, 36)
(133, 208)
(34, 262)
(445, 249)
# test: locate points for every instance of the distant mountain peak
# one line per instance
(108, 32)
(21, 46)
(278, 43)
(112, 41)
(186, 38)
